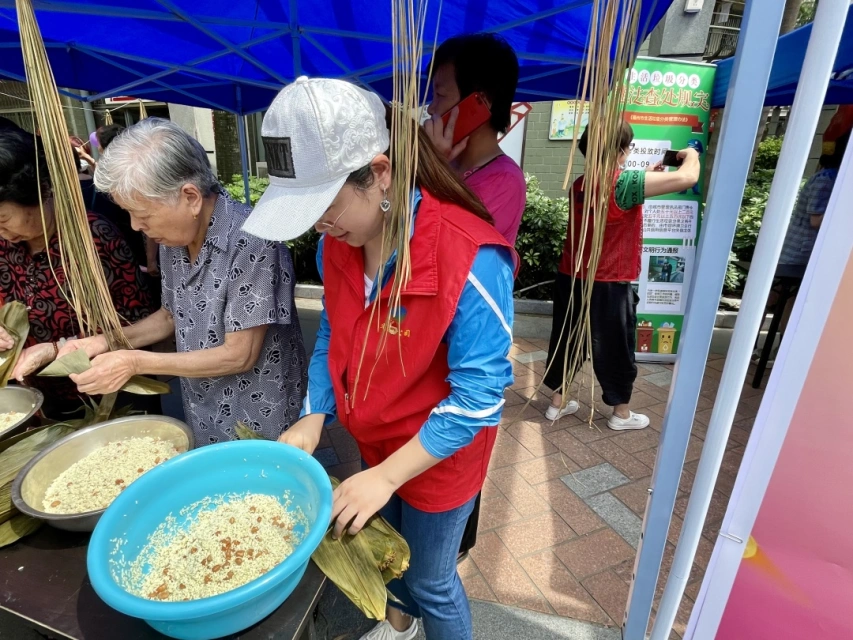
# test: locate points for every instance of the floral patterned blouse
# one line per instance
(237, 282)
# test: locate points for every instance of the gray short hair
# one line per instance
(152, 160)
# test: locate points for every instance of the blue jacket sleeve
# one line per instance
(321, 395)
(479, 339)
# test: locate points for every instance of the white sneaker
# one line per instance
(635, 421)
(555, 413)
(384, 631)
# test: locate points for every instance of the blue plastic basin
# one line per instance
(254, 465)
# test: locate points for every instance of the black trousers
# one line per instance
(469, 536)
(613, 322)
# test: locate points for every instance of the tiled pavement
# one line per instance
(563, 503)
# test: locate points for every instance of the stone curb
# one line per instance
(725, 319)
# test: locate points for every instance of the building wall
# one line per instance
(547, 159)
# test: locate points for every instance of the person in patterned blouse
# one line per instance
(31, 269)
(228, 297)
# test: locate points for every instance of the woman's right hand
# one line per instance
(441, 136)
(305, 434)
(94, 346)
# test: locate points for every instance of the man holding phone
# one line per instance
(474, 81)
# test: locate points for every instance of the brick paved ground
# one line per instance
(563, 504)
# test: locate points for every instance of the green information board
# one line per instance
(668, 104)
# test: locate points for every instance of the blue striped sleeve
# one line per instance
(479, 339)
(321, 394)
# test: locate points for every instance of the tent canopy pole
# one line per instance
(808, 102)
(751, 73)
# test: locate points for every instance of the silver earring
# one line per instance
(385, 205)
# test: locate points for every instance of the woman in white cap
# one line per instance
(423, 404)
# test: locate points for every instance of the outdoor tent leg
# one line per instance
(244, 155)
(756, 46)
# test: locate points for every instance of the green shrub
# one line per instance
(540, 240)
(237, 190)
(303, 250)
(768, 153)
(753, 204)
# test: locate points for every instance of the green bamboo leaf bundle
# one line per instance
(7, 509)
(78, 362)
(13, 459)
(16, 528)
(86, 286)
(15, 320)
(361, 565)
(245, 433)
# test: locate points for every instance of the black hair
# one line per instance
(107, 134)
(624, 138)
(434, 175)
(833, 160)
(483, 62)
(23, 168)
(6, 124)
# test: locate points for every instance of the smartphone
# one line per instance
(671, 159)
(473, 113)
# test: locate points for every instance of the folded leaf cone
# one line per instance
(15, 320)
(78, 362)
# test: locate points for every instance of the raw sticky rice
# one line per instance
(93, 482)
(230, 541)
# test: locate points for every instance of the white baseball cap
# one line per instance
(316, 132)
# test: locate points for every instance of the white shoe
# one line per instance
(635, 421)
(555, 413)
(384, 631)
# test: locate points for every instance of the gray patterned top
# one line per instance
(237, 282)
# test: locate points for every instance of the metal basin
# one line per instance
(32, 482)
(20, 399)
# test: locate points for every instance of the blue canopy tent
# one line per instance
(235, 55)
(787, 64)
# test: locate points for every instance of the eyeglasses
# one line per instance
(326, 226)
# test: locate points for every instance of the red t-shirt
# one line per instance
(501, 187)
(621, 250)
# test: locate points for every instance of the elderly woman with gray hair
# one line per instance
(227, 296)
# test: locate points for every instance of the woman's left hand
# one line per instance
(358, 498)
(109, 373)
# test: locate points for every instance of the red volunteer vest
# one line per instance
(385, 416)
(621, 251)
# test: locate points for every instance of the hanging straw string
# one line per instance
(613, 27)
(86, 286)
(407, 32)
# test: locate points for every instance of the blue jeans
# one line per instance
(431, 588)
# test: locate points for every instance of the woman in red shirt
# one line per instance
(612, 308)
(31, 269)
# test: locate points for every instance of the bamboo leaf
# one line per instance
(78, 362)
(7, 509)
(361, 565)
(13, 459)
(143, 386)
(69, 364)
(15, 319)
(16, 528)
(245, 433)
